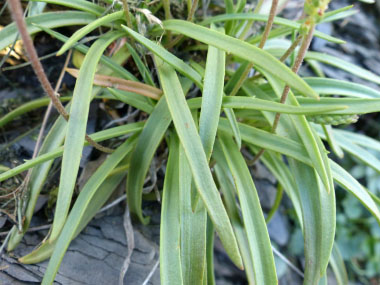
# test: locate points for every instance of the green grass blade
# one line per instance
(47, 19)
(338, 14)
(76, 130)
(310, 140)
(230, 114)
(360, 139)
(354, 105)
(193, 227)
(344, 65)
(98, 137)
(108, 62)
(354, 187)
(166, 56)
(337, 264)
(318, 219)
(227, 188)
(148, 141)
(264, 18)
(141, 66)
(357, 151)
(97, 201)
(340, 87)
(53, 140)
(80, 206)
(191, 142)
(210, 235)
(254, 222)
(321, 107)
(133, 99)
(170, 234)
(251, 53)
(27, 107)
(105, 20)
(211, 98)
(82, 5)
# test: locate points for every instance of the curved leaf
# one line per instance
(260, 58)
(89, 28)
(82, 5)
(254, 222)
(191, 142)
(48, 19)
(76, 130)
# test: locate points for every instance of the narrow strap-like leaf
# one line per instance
(318, 216)
(254, 222)
(76, 130)
(82, 5)
(148, 141)
(47, 19)
(259, 57)
(191, 142)
(88, 28)
(80, 207)
(170, 228)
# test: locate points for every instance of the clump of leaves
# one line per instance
(207, 111)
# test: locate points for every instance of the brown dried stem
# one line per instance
(297, 64)
(17, 14)
(264, 38)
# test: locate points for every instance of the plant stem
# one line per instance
(249, 24)
(297, 64)
(128, 19)
(287, 53)
(264, 38)
(17, 14)
(190, 16)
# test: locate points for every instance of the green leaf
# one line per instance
(105, 20)
(27, 107)
(344, 65)
(312, 143)
(108, 62)
(193, 227)
(260, 58)
(80, 207)
(145, 73)
(212, 96)
(191, 142)
(339, 14)
(82, 5)
(360, 139)
(254, 222)
(76, 130)
(47, 19)
(229, 194)
(133, 99)
(354, 187)
(170, 234)
(166, 56)
(354, 105)
(357, 151)
(318, 219)
(148, 141)
(337, 264)
(101, 196)
(98, 137)
(339, 87)
(38, 176)
(264, 18)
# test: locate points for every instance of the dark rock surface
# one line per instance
(94, 257)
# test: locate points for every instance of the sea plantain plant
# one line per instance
(209, 81)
